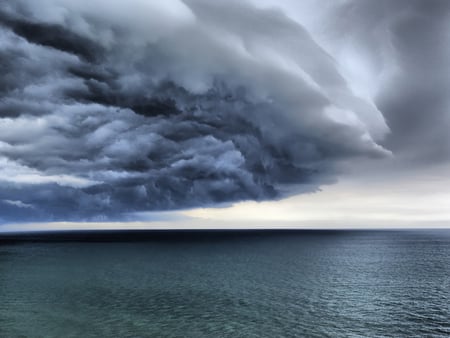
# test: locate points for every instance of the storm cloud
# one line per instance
(111, 108)
(395, 53)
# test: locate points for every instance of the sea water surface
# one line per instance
(226, 284)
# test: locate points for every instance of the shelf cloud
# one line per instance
(110, 108)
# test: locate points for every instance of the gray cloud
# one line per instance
(109, 109)
(419, 111)
(405, 44)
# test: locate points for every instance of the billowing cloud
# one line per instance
(397, 54)
(112, 108)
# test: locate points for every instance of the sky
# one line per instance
(224, 114)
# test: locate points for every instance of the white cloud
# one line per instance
(13, 172)
(18, 204)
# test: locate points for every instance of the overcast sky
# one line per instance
(199, 113)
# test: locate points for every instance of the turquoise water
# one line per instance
(294, 284)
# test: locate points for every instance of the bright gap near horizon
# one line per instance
(349, 204)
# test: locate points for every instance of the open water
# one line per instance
(226, 284)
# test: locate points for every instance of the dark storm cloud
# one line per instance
(51, 35)
(109, 109)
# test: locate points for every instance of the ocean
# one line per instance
(226, 284)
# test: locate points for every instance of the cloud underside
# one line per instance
(109, 109)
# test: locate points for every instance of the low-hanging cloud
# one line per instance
(109, 108)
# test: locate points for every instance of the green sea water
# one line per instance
(293, 284)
